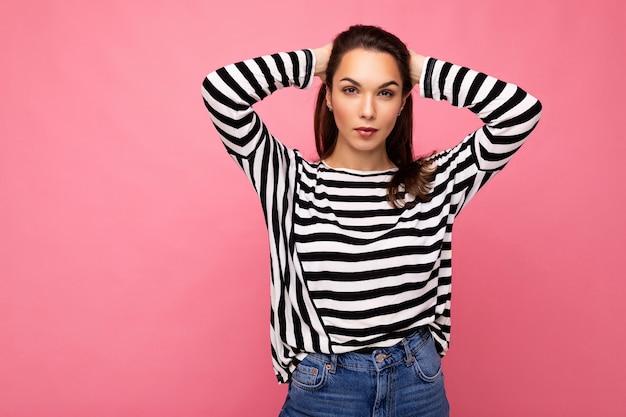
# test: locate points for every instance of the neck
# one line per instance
(367, 162)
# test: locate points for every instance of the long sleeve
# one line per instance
(230, 92)
(509, 115)
(274, 171)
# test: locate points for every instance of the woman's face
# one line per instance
(366, 98)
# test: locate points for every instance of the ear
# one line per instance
(329, 100)
(404, 101)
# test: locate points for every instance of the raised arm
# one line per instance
(230, 92)
(509, 113)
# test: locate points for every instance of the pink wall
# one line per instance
(133, 257)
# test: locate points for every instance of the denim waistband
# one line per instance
(377, 359)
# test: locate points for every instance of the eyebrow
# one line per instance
(358, 84)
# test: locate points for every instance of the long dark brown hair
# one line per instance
(415, 175)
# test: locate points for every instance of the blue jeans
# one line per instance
(404, 380)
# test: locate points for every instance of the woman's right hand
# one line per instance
(322, 55)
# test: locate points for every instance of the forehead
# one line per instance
(363, 65)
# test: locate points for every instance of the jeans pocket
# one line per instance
(310, 374)
(427, 362)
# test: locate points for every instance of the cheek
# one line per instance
(389, 114)
(341, 113)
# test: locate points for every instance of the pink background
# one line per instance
(133, 255)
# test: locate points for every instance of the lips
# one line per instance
(365, 131)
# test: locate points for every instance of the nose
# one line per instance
(368, 108)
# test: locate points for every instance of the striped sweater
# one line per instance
(348, 270)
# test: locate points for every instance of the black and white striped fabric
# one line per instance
(348, 270)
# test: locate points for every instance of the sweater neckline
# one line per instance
(357, 171)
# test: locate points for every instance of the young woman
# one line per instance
(360, 240)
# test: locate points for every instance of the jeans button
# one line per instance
(381, 357)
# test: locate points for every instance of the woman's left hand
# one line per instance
(417, 62)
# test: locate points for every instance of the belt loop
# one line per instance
(408, 355)
(332, 366)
